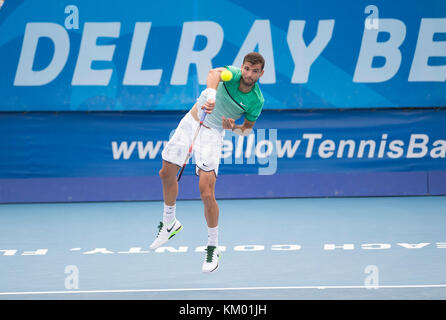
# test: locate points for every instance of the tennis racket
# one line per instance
(189, 153)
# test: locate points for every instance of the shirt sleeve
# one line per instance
(254, 113)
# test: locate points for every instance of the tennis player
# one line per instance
(223, 103)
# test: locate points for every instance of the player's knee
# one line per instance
(207, 194)
(165, 174)
(207, 186)
(207, 197)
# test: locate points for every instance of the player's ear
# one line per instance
(261, 73)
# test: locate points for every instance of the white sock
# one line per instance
(213, 236)
(169, 214)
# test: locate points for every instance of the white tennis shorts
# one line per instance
(206, 149)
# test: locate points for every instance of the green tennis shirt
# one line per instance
(232, 103)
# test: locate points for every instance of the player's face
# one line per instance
(251, 73)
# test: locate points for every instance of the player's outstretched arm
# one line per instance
(211, 89)
(214, 77)
(242, 130)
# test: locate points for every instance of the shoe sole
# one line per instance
(170, 237)
(215, 269)
(175, 232)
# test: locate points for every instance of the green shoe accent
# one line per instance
(210, 253)
(160, 226)
(176, 231)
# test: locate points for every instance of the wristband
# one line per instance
(202, 98)
(211, 93)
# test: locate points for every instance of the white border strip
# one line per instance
(222, 289)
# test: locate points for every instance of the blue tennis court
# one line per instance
(296, 248)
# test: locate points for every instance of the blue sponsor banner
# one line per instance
(108, 55)
(101, 144)
(116, 156)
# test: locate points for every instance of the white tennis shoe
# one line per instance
(165, 233)
(211, 259)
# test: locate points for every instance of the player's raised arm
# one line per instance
(212, 81)
(214, 77)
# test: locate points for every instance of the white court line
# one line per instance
(223, 289)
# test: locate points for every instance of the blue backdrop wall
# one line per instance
(91, 91)
(104, 156)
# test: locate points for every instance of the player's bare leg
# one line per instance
(211, 213)
(207, 193)
(168, 175)
(170, 226)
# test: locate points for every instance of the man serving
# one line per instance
(223, 102)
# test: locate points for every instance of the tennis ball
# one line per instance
(226, 75)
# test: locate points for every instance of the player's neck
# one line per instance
(244, 88)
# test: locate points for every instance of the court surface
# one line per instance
(310, 248)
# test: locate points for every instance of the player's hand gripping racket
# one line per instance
(189, 153)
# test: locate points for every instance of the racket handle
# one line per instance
(203, 115)
(181, 172)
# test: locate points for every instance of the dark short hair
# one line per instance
(254, 58)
